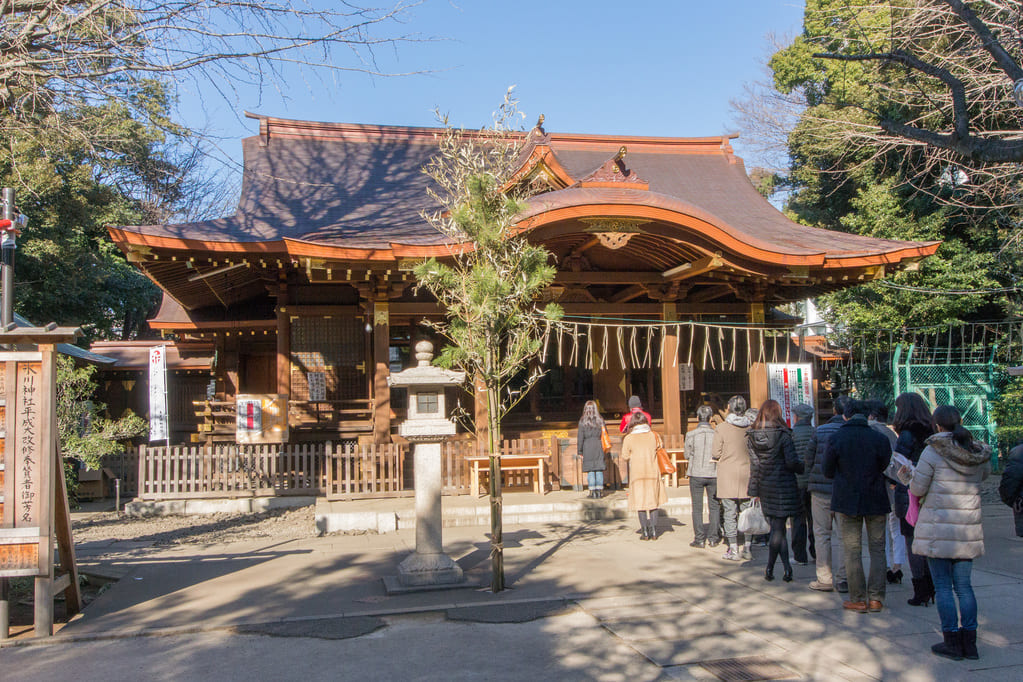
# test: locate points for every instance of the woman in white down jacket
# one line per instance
(948, 531)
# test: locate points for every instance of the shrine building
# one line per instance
(306, 292)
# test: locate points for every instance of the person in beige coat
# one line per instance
(948, 529)
(732, 455)
(646, 489)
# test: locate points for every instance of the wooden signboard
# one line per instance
(26, 466)
(34, 516)
(261, 418)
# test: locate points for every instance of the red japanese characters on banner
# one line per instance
(790, 385)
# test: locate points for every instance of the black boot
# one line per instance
(923, 592)
(969, 642)
(950, 647)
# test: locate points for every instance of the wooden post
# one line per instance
(381, 370)
(283, 341)
(670, 394)
(48, 439)
(758, 391)
(65, 543)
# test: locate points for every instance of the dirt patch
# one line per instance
(207, 529)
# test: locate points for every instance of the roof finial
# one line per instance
(539, 125)
(621, 153)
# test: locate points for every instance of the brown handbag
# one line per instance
(664, 462)
(605, 440)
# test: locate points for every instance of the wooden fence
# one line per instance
(196, 471)
(340, 471)
(125, 466)
(360, 471)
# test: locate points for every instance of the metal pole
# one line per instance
(7, 305)
(117, 495)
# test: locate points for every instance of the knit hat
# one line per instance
(635, 402)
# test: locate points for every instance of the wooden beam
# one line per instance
(588, 244)
(697, 267)
(710, 293)
(608, 277)
(653, 310)
(629, 293)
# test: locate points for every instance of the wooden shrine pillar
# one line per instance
(381, 370)
(231, 346)
(670, 394)
(283, 342)
(758, 392)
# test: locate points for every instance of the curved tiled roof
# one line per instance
(361, 188)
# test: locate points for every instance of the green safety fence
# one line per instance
(969, 387)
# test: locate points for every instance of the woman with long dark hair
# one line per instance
(949, 533)
(590, 448)
(773, 468)
(646, 489)
(913, 424)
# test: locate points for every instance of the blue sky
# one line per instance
(645, 67)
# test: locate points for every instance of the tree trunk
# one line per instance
(496, 500)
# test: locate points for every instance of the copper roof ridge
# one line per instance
(374, 129)
(642, 139)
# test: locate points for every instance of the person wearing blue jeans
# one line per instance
(951, 582)
(949, 530)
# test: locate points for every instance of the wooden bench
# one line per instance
(678, 457)
(537, 464)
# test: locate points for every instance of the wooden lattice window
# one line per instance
(335, 346)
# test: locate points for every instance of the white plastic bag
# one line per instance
(752, 521)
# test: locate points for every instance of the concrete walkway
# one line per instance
(587, 600)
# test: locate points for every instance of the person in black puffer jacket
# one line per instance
(773, 468)
(913, 424)
(1011, 487)
(804, 437)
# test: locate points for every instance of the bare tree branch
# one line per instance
(58, 56)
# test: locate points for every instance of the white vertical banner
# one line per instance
(159, 422)
(791, 385)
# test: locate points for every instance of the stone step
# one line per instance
(562, 507)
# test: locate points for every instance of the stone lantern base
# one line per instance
(429, 569)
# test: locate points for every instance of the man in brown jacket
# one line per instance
(732, 456)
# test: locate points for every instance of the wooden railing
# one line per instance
(338, 470)
(360, 471)
(194, 471)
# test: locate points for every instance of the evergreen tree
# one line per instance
(489, 288)
(847, 174)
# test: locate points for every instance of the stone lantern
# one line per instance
(426, 427)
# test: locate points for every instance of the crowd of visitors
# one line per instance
(911, 491)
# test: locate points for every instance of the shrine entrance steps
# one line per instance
(520, 508)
